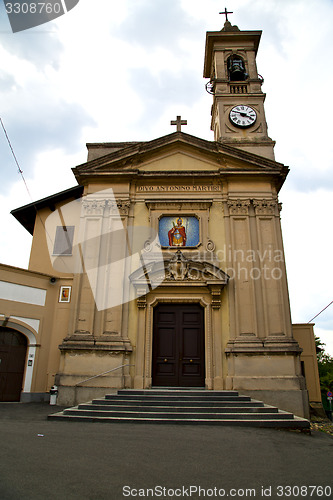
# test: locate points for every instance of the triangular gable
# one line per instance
(137, 156)
(177, 152)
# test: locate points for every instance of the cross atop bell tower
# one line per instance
(238, 115)
(225, 12)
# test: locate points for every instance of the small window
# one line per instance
(63, 244)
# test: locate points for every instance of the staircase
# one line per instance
(170, 406)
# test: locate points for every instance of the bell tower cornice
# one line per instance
(228, 40)
(238, 114)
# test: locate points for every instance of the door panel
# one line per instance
(178, 346)
(166, 345)
(191, 343)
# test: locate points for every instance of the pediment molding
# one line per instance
(224, 159)
(179, 270)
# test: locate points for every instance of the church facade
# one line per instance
(164, 266)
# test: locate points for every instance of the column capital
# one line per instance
(238, 207)
(265, 207)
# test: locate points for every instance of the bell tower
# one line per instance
(238, 115)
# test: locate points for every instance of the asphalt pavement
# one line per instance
(57, 460)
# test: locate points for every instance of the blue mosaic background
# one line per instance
(191, 225)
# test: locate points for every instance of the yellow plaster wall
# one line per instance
(178, 162)
(243, 186)
(53, 318)
(39, 255)
(304, 334)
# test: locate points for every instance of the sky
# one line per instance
(120, 71)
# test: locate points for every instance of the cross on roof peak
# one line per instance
(225, 12)
(179, 122)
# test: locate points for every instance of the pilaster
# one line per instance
(141, 336)
(240, 272)
(97, 321)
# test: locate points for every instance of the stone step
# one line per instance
(175, 415)
(180, 406)
(176, 392)
(172, 397)
(173, 388)
(180, 403)
(295, 423)
(179, 409)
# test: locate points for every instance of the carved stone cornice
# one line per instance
(252, 345)
(90, 343)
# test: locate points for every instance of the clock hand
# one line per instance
(238, 112)
(242, 114)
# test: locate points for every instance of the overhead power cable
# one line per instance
(20, 171)
(320, 312)
(16, 161)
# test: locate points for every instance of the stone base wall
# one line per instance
(87, 374)
(72, 396)
(270, 375)
(296, 402)
(35, 397)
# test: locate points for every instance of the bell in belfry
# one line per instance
(236, 69)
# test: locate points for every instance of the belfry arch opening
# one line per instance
(236, 69)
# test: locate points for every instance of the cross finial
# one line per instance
(179, 122)
(225, 12)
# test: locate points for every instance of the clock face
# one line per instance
(242, 116)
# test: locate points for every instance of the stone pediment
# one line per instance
(132, 159)
(179, 269)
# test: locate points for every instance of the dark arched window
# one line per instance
(11, 337)
(236, 69)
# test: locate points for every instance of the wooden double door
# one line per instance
(13, 348)
(178, 346)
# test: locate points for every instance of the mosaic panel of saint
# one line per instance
(179, 231)
(177, 234)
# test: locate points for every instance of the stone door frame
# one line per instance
(212, 327)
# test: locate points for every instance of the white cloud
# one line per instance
(308, 243)
(15, 240)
